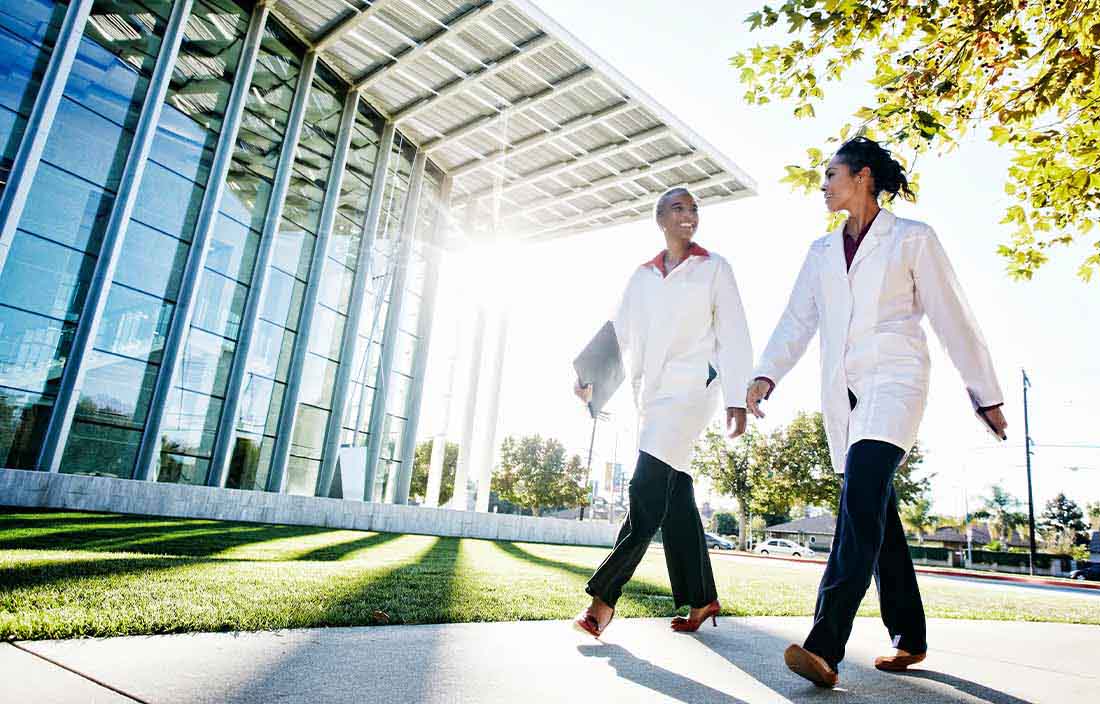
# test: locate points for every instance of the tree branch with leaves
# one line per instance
(1024, 71)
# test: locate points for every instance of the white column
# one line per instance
(439, 442)
(492, 418)
(462, 471)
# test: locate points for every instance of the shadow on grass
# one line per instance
(339, 551)
(187, 537)
(642, 672)
(63, 572)
(422, 591)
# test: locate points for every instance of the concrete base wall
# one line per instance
(65, 491)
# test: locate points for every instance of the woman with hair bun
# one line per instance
(866, 286)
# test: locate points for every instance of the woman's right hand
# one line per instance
(584, 393)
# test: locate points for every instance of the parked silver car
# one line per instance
(779, 546)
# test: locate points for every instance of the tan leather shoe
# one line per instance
(898, 662)
(812, 667)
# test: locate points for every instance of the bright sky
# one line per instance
(560, 293)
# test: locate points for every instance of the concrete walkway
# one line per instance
(640, 660)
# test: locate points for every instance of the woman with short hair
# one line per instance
(866, 286)
(682, 329)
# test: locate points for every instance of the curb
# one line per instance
(940, 572)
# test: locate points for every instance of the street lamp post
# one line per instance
(1030, 499)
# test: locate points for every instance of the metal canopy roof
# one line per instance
(523, 116)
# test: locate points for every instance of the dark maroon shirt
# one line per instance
(852, 245)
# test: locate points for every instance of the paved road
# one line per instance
(818, 566)
(640, 660)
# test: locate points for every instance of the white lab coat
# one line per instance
(671, 330)
(871, 337)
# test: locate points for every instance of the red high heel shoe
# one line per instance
(587, 622)
(690, 625)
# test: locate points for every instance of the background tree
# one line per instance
(1024, 72)
(1093, 512)
(535, 474)
(725, 523)
(917, 517)
(422, 462)
(1063, 516)
(801, 455)
(1001, 514)
(731, 467)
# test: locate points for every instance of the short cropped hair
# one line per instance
(670, 193)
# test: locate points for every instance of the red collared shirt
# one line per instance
(659, 261)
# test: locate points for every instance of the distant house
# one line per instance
(1094, 547)
(952, 538)
(815, 532)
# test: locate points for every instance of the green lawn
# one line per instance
(65, 574)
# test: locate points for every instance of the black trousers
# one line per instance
(869, 541)
(660, 497)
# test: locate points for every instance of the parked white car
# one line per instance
(779, 546)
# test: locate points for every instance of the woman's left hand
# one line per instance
(997, 419)
(735, 421)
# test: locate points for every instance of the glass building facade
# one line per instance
(200, 259)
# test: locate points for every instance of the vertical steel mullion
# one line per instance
(196, 257)
(393, 320)
(355, 313)
(72, 379)
(227, 424)
(420, 356)
(37, 131)
(276, 480)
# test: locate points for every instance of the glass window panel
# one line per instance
(398, 394)
(255, 404)
(86, 145)
(343, 245)
(166, 200)
(309, 432)
(134, 324)
(327, 333)
(365, 402)
(65, 209)
(151, 261)
(100, 450)
(277, 297)
(403, 354)
(46, 278)
(250, 463)
(27, 30)
(116, 390)
(318, 376)
(205, 364)
(23, 420)
(265, 354)
(293, 249)
(219, 305)
(189, 422)
(336, 286)
(275, 410)
(391, 448)
(181, 469)
(32, 350)
(301, 477)
(233, 249)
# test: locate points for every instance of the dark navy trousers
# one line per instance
(869, 541)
